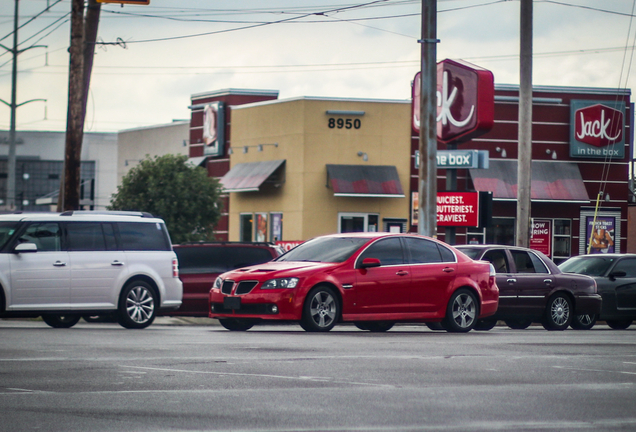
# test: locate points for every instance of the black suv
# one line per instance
(201, 263)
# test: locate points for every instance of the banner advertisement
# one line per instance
(602, 235)
(213, 129)
(261, 227)
(276, 227)
(458, 209)
(541, 239)
(289, 245)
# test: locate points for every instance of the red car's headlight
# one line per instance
(218, 283)
(280, 283)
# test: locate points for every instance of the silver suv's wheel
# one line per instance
(60, 321)
(137, 305)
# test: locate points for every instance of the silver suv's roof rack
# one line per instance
(107, 212)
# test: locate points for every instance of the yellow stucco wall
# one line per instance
(305, 141)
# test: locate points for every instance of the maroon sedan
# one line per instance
(533, 289)
(371, 279)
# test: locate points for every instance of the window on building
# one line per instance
(357, 222)
(501, 232)
(247, 227)
(562, 240)
(475, 235)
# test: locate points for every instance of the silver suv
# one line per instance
(65, 266)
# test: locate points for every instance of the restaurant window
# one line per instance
(501, 232)
(357, 222)
(475, 235)
(246, 227)
(562, 240)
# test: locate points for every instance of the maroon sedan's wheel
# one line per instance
(619, 324)
(462, 312)
(321, 310)
(583, 322)
(558, 313)
(518, 324)
(485, 324)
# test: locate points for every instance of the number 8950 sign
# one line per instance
(344, 123)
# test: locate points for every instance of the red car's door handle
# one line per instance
(448, 269)
(511, 280)
(547, 281)
(402, 273)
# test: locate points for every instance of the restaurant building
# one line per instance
(301, 167)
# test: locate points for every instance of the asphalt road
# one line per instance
(101, 377)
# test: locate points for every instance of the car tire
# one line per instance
(558, 313)
(362, 325)
(321, 310)
(583, 322)
(61, 321)
(379, 326)
(620, 324)
(462, 312)
(485, 324)
(237, 324)
(435, 326)
(137, 305)
(518, 324)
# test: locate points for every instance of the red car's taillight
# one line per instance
(175, 268)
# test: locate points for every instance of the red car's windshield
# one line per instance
(324, 249)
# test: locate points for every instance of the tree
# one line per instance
(170, 188)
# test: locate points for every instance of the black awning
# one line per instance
(380, 181)
(248, 177)
(551, 181)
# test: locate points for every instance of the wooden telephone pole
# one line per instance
(524, 167)
(427, 185)
(82, 49)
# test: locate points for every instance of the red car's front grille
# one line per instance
(226, 288)
(245, 287)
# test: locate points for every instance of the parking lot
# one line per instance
(194, 375)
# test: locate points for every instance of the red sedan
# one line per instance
(371, 279)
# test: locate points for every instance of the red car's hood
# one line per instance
(278, 269)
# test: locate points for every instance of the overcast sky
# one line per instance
(172, 49)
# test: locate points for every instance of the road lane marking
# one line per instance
(298, 378)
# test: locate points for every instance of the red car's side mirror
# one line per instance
(369, 262)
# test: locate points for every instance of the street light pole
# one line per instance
(13, 105)
(14, 94)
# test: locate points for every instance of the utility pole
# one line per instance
(82, 49)
(427, 185)
(524, 167)
(13, 105)
(14, 96)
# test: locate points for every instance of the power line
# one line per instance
(32, 19)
